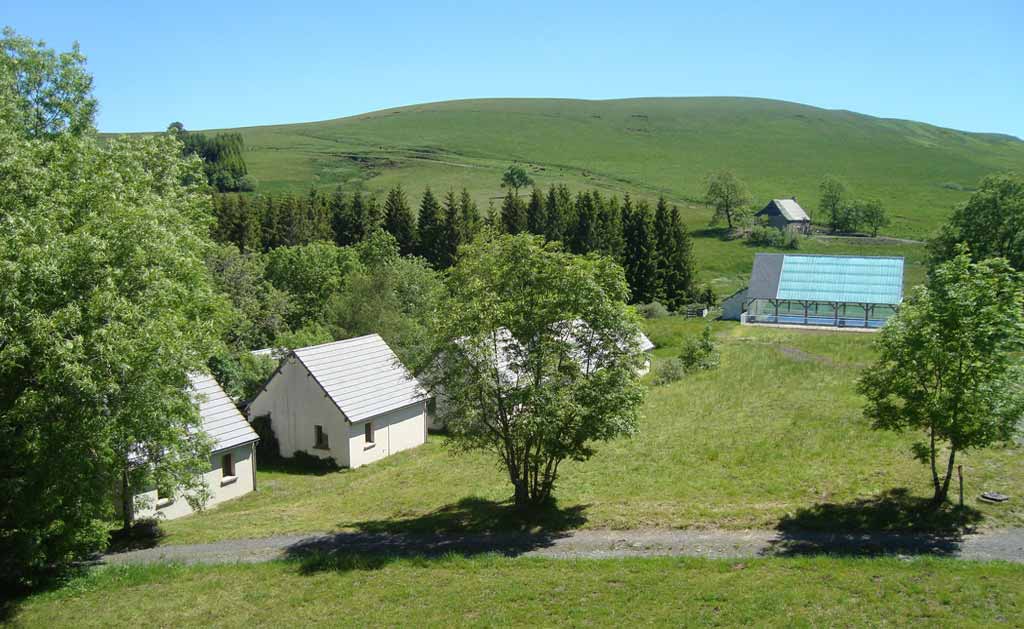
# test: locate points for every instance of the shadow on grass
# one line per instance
(302, 464)
(893, 523)
(142, 534)
(469, 527)
(722, 233)
(13, 593)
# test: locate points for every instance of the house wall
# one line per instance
(296, 404)
(732, 307)
(244, 457)
(393, 432)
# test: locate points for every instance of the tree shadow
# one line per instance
(13, 593)
(894, 522)
(722, 233)
(141, 535)
(472, 526)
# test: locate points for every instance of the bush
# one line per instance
(764, 236)
(653, 310)
(699, 353)
(668, 372)
(248, 183)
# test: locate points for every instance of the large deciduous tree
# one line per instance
(729, 196)
(106, 305)
(514, 178)
(832, 201)
(947, 364)
(536, 357)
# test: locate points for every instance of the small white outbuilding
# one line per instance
(232, 470)
(351, 401)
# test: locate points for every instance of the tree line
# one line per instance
(223, 162)
(652, 244)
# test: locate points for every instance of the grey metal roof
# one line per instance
(362, 376)
(764, 278)
(645, 343)
(788, 208)
(220, 417)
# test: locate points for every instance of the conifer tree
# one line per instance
(552, 216)
(373, 218)
(641, 254)
(451, 231)
(677, 270)
(470, 216)
(663, 246)
(294, 226)
(513, 214)
(271, 227)
(609, 222)
(318, 222)
(584, 237)
(357, 214)
(535, 213)
(342, 220)
(249, 225)
(431, 229)
(398, 221)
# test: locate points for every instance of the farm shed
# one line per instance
(351, 401)
(232, 470)
(832, 291)
(786, 214)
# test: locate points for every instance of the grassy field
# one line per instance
(494, 591)
(774, 438)
(647, 146)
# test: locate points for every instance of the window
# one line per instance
(369, 433)
(320, 438)
(163, 498)
(227, 466)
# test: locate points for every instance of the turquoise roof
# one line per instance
(851, 279)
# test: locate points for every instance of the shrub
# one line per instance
(668, 372)
(699, 353)
(764, 236)
(653, 310)
(248, 183)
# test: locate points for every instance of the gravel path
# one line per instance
(1005, 544)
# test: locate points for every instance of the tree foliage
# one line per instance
(106, 305)
(729, 196)
(832, 201)
(947, 365)
(536, 355)
(991, 223)
(514, 178)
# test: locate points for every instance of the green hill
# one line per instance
(647, 146)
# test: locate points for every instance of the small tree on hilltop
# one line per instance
(536, 355)
(515, 177)
(946, 363)
(727, 194)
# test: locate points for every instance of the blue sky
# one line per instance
(223, 63)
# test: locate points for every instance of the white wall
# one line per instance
(393, 432)
(732, 307)
(296, 404)
(244, 459)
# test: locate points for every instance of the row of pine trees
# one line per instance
(652, 245)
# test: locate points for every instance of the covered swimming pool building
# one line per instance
(819, 290)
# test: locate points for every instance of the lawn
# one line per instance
(498, 591)
(773, 438)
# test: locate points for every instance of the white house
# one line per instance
(232, 460)
(351, 401)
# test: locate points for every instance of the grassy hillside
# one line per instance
(646, 146)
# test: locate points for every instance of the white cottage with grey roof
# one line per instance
(786, 214)
(352, 401)
(232, 470)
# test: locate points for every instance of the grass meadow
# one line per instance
(497, 591)
(773, 438)
(646, 146)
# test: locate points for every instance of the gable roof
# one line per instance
(788, 208)
(850, 279)
(362, 376)
(220, 417)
